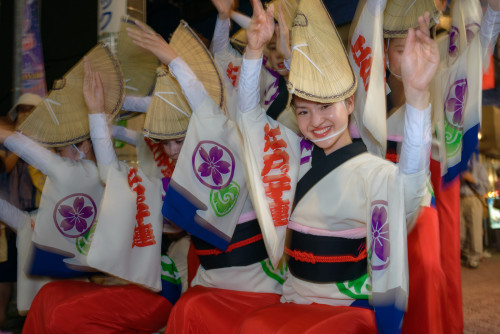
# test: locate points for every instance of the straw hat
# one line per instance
(192, 50)
(29, 99)
(401, 15)
(320, 70)
(289, 7)
(62, 118)
(239, 40)
(138, 65)
(168, 113)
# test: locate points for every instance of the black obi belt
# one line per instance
(324, 259)
(246, 248)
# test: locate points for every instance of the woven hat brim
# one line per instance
(196, 55)
(138, 65)
(320, 71)
(62, 117)
(239, 40)
(289, 9)
(168, 114)
(401, 15)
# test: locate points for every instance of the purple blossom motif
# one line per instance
(453, 48)
(213, 164)
(380, 234)
(456, 101)
(72, 215)
(213, 169)
(471, 31)
(306, 145)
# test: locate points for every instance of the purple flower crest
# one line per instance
(74, 218)
(380, 233)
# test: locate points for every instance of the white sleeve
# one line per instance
(11, 215)
(490, 27)
(376, 7)
(30, 151)
(417, 139)
(139, 104)
(414, 160)
(220, 40)
(249, 89)
(124, 134)
(101, 140)
(192, 88)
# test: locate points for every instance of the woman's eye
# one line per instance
(325, 106)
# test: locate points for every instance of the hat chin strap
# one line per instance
(81, 155)
(335, 133)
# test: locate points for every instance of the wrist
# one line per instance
(417, 99)
(223, 16)
(251, 53)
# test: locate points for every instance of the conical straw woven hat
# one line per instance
(320, 70)
(239, 40)
(401, 15)
(168, 114)
(192, 50)
(138, 65)
(62, 118)
(289, 7)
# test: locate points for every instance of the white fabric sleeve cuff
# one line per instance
(490, 27)
(192, 88)
(220, 41)
(376, 7)
(417, 138)
(101, 140)
(125, 135)
(11, 215)
(248, 86)
(30, 151)
(138, 104)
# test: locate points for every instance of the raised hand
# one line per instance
(494, 4)
(282, 35)
(224, 8)
(260, 30)
(93, 91)
(148, 39)
(419, 64)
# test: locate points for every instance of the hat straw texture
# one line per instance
(320, 70)
(192, 50)
(138, 65)
(62, 118)
(401, 15)
(168, 114)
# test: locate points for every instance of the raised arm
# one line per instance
(490, 25)
(27, 149)
(93, 92)
(259, 33)
(220, 40)
(193, 89)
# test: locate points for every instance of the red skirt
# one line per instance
(448, 207)
(293, 318)
(427, 282)
(82, 307)
(211, 310)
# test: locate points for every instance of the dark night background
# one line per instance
(69, 30)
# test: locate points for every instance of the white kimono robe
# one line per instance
(364, 196)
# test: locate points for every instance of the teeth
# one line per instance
(320, 132)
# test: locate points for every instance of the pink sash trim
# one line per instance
(397, 138)
(247, 216)
(354, 233)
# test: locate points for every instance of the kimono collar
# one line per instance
(323, 164)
